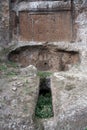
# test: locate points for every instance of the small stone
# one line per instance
(19, 84)
(14, 78)
(29, 71)
(14, 89)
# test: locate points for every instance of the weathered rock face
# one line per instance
(45, 58)
(52, 36)
(44, 25)
(4, 22)
(82, 31)
(49, 18)
(18, 97)
(29, 71)
(52, 26)
(69, 99)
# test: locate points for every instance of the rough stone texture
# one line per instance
(69, 92)
(4, 22)
(18, 97)
(49, 18)
(52, 26)
(29, 71)
(82, 30)
(69, 89)
(45, 58)
(40, 5)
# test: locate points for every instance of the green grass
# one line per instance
(6, 68)
(3, 67)
(44, 103)
(43, 74)
(44, 106)
(12, 64)
(11, 73)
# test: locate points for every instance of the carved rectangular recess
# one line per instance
(44, 21)
(45, 27)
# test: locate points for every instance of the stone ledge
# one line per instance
(42, 5)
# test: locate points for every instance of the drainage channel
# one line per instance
(44, 107)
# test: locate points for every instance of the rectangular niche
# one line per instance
(44, 107)
(42, 21)
(45, 27)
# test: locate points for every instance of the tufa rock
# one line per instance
(29, 71)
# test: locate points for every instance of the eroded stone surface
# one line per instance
(69, 89)
(70, 104)
(18, 97)
(4, 22)
(29, 71)
(46, 27)
(45, 58)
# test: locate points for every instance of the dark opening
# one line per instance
(44, 59)
(44, 107)
(45, 63)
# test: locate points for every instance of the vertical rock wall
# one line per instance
(4, 22)
(5, 18)
(19, 92)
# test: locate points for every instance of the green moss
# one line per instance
(44, 106)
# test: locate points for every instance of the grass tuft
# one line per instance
(44, 106)
(43, 74)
